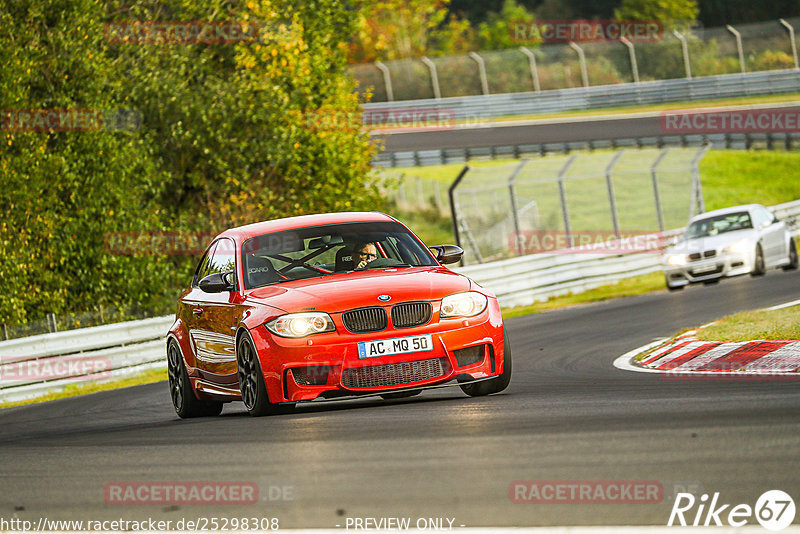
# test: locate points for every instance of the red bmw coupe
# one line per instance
(323, 307)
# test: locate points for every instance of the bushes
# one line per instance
(229, 135)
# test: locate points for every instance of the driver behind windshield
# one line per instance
(364, 253)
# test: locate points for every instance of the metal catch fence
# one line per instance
(560, 202)
(761, 46)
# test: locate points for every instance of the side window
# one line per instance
(224, 258)
(203, 267)
(760, 216)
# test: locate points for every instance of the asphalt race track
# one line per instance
(568, 415)
(572, 130)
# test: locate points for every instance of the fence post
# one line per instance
(685, 47)
(790, 28)
(514, 211)
(738, 45)
(453, 211)
(5, 332)
(656, 191)
(420, 194)
(632, 55)
(697, 186)
(387, 80)
(612, 199)
(51, 322)
(481, 71)
(562, 192)
(434, 77)
(582, 60)
(534, 69)
(437, 196)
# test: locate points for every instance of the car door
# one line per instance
(773, 236)
(215, 317)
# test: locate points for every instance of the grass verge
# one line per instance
(775, 325)
(146, 377)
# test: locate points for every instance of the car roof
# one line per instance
(242, 233)
(725, 211)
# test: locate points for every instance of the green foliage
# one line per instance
(673, 13)
(494, 32)
(230, 134)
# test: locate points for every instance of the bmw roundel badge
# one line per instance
(384, 298)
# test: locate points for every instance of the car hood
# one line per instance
(716, 242)
(344, 291)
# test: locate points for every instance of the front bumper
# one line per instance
(328, 366)
(708, 269)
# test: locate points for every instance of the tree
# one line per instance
(672, 13)
(398, 29)
(494, 34)
(230, 133)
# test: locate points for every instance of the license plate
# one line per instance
(397, 345)
(704, 269)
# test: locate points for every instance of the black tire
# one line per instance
(496, 385)
(184, 401)
(793, 260)
(251, 380)
(400, 395)
(759, 268)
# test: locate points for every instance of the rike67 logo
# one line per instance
(774, 510)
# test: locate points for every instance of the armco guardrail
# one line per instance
(476, 108)
(740, 141)
(33, 366)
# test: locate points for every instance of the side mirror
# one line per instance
(448, 253)
(216, 282)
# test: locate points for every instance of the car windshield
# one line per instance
(324, 250)
(719, 224)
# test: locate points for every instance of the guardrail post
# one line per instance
(513, 195)
(656, 191)
(612, 199)
(562, 192)
(51, 323)
(697, 188)
(582, 60)
(632, 55)
(534, 70)
(685, 47)
(387, 80)
(451, 192)
(481, 72)
(739, 47)
(5, 332)
(790, 28)
(434, 77)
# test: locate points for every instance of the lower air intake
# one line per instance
(394, 374)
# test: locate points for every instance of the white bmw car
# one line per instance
(729, 242)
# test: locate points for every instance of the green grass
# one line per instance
(146, 377)
(783, 324)
(732, 177)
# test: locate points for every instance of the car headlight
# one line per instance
(301, 324)
(740, 247)
(676, 259)
(466, 304)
